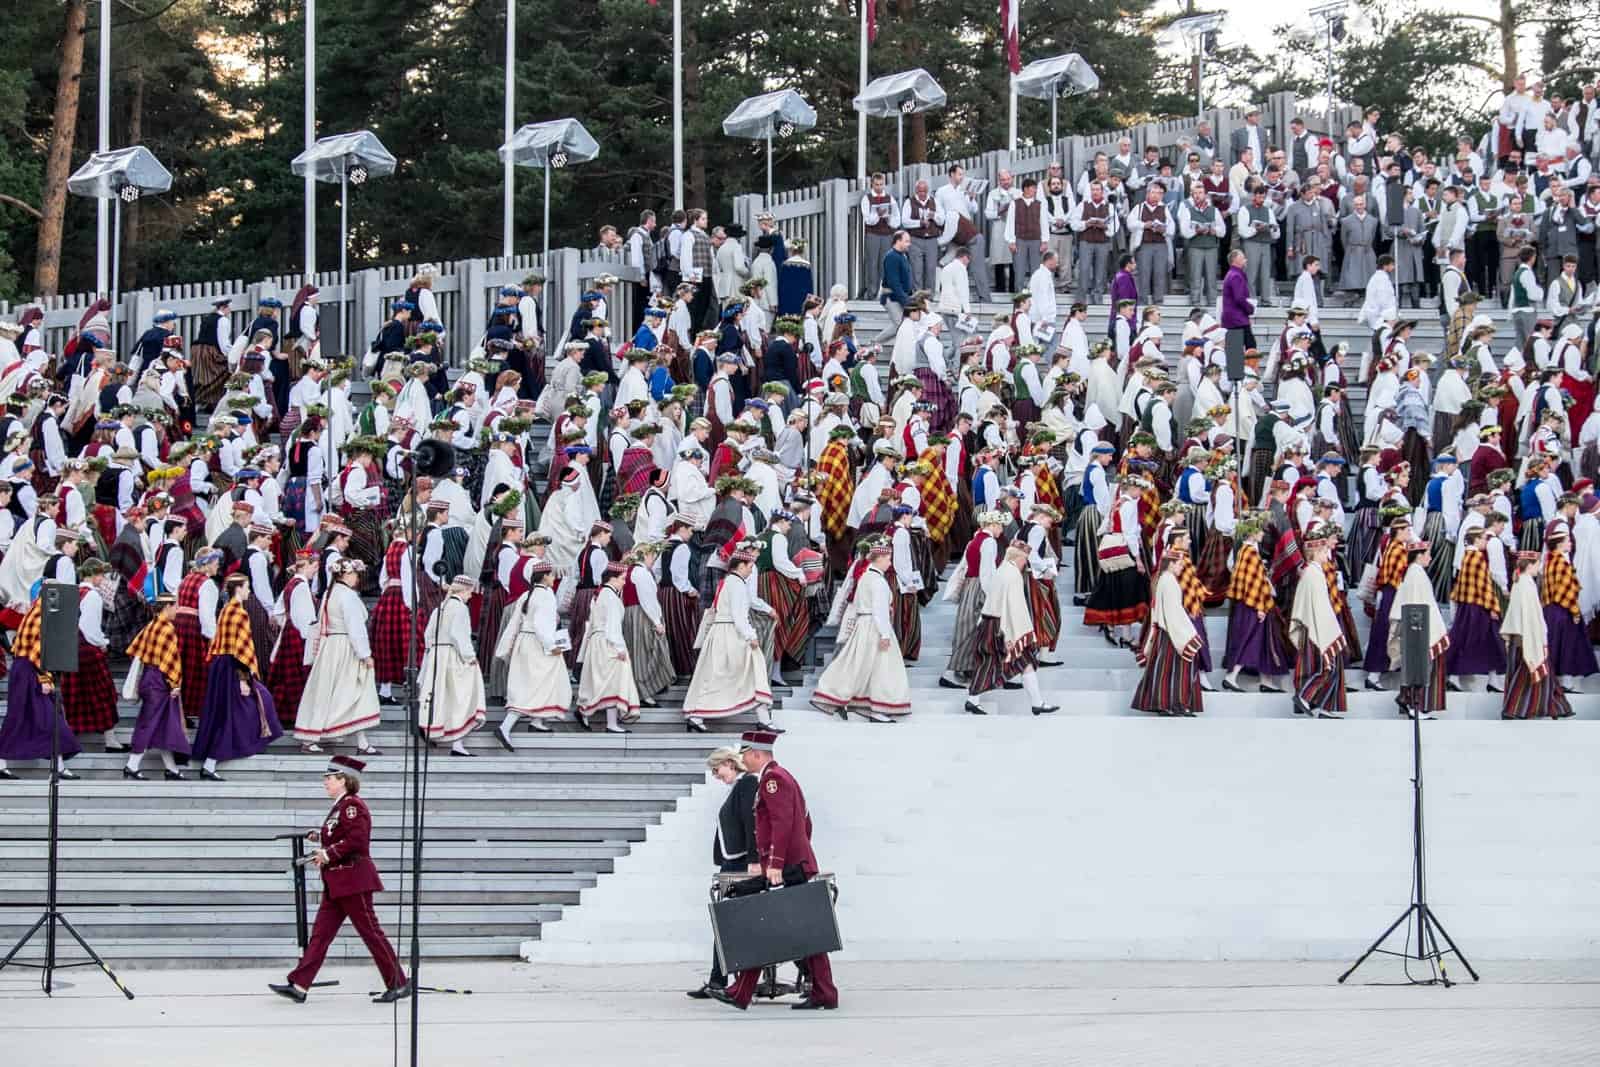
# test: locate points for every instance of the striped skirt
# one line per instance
(1531, 538)
(648, 653)
(1428, 697)
(1527, 697)
(793, 624)
(491, 609)
(937, 393)
(1320, 684)
(1046, 608)
(1260, 472)
(210, 370)
(1441, 556)
(996, 664)
(578, 620)
(766, 628)
(1170, 683)
(907, 617)
(1120, 598)
(1086, 558)
(682, 616)
(1212, 567)
(1363, 546)
(964, 645)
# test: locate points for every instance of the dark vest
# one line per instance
(922, 218)
(881, 227)
(207, 333)
(1025, 220)
(1091, 210)
(105, 487)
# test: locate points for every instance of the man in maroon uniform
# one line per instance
(783, 842)
(349, 878)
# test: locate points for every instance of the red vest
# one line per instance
(1091, 210)
(1025, 220)
(921, 222)
(973, 554)
(882, 227)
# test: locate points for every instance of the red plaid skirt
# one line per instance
(287, 674)
(1046, 607)
(1212, 570)
(88, 696)
(387, 630)
(192, 647)
(906, 614)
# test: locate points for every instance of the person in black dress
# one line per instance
(733, 849)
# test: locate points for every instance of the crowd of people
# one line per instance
(744, 470)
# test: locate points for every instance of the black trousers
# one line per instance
(1483, 261)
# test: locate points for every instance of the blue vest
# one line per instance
(1529, 502)
(1086, 491)
(1436, 492)
(1183, 485)
(978, 499)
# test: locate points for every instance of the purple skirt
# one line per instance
(1569, 649)
(232, 725)
(160, 724)
(1475, 645)
(1202, 659)
(1377, 659)
(1256, 645)
(937, 393)
(30, 714)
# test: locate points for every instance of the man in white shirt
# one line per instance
(880, 217)
(957, 205)
(1042, 308)
(1305, 292)
(1380, 304)
(923, 218)
(954, 294)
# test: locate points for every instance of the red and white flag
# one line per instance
(1008, 28)
(872, 21)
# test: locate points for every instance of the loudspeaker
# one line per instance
(58, 628)
(435, 459)
(1235, 352)
(1415, 664)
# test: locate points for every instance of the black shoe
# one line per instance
(7, 776)
(389, 996)
(643, 703)
(583, 722)
(1230, 687)
(174, 776)
(505, 742)
(119, 748)
(1111, 640)
(1079, 601)
(470, 755)
(945, 683)
(137, 776)
(1011, 685)
(1045, 709)
(974, 708)
(210, 776)
(1050, 663)
(66, 775)
(1300, 706)
(705, 992)
(694, 727)
(1269, 689)
(1375, 686)
(812, 1005)
(722, 995)
(288, 992)
(772, 728)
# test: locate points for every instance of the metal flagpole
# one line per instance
(1055, 97)
(546, 260)
(102, 218)
(344, 248)
(508, 168)
(1011, 127)
(677, 119)
(769, 170)
(116, 262)
(900, 151)
(861, 116)
(311, 139)
(1200, 76)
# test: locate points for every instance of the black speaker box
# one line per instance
(1414, 660)
(59, 627)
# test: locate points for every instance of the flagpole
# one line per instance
(508, 168)
(1011, 122)
(310, 102)
(861, 116)
(677, 105)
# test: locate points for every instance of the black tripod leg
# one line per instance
(124, 990)
(25, 939)
(1374, 947)
(1439, 926)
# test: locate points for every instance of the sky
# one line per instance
(1252, 21)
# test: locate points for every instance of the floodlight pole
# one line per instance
(116, 262)
(900, 151)
(344, 249)
(769, 169)
(1200, 75)
(1011, 116)
(677, 114)
(508, 178)
(311, 139)
(861, 116)
(1328, 23)
(546, 260)
(102, 212)
(1055, 97)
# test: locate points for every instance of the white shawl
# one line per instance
(1525, 619)
(1417, 588)
(1312, 617)
(1167, 614)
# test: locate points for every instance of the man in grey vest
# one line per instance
(1150, 236)
(1027, 229)
(880, 217)
(1094, 220)
(1200, 224)
(923, 219)
(1257, 226)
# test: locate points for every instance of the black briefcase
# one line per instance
(779, 925)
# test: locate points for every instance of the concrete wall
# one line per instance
(1110, 838)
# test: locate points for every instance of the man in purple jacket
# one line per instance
(1237, 307)
(1124, 286)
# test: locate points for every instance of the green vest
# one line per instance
(1486, 202)
(1207, 217)
(1262, 217)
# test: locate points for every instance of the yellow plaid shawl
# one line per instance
(233, 637)
(29, 641)
(157, 647)
(1561, 583)
(1473, 584)
(1248, 584)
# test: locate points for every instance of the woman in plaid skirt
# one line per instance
(973, 576)
(1169, 654)
(159, 668)
(1318, 638)
(196, 623)
(1532, 690)
(1475, 644)
(30, 707)
(238, 719)
(1006, 642)
(296, 611)
(644, 627)
(588, 575)
(393, 617)
(680, 599)
(1255, 627)
(88, 696)
(1416, 590)
(1571, 654)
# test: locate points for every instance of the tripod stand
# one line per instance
(1429, 930)
(52, 916)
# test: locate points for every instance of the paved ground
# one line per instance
(924, 1014)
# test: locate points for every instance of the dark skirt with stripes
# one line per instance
(793, 624)
(491, 609)
(1531, 538)
(578, 621)
(1441, 556)
(648, 653)
(368, 540)
(994, 664)
(766, 630)
(1320, 684)
(1212, 568)
(1352, 640)
(1363, 547)
(262, 633)
(1045, 604)
(907, 617)
(1260, 471)
(1527, 697)
(1120, 598)
(1377, 658)
(1475, 645)
(1170, 684)
(1428, 697)
(1570, 652)
(1256, 645)
(88, 696)
(937, 393)
(964, 643)
(1086, 555)
(682, 616)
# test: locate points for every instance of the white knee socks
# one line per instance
(1030, 685)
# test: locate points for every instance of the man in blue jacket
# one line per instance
(896, 283)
